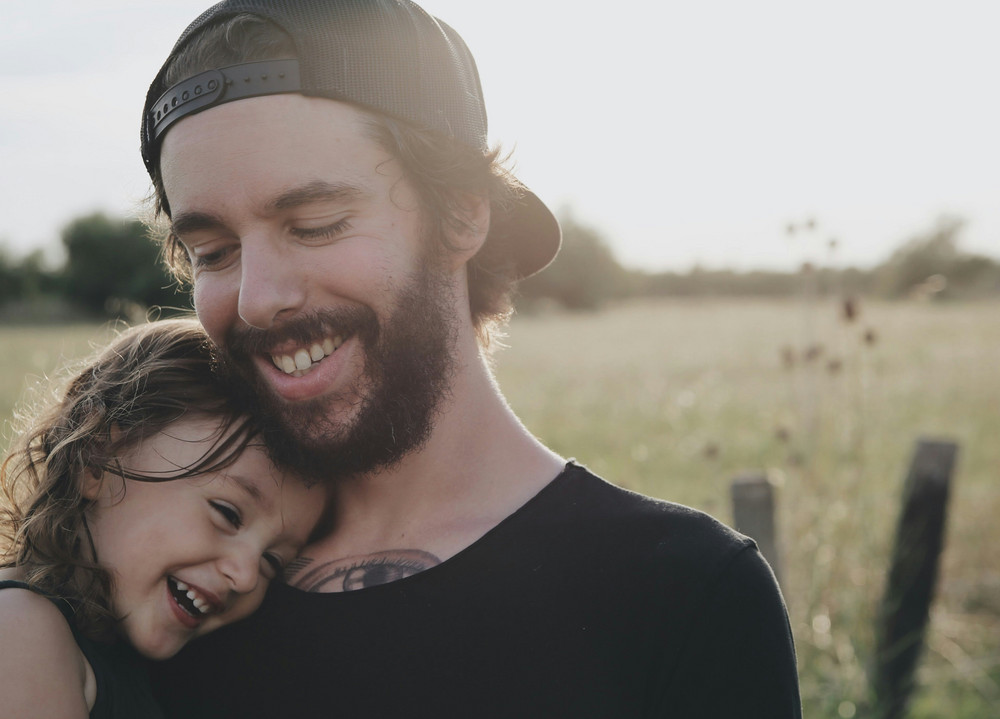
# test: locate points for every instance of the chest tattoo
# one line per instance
(358, 572)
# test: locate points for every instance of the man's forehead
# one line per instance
(295, 148)
(286, 120)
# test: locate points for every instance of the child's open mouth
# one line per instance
(189, 599)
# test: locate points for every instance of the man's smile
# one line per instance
(299, 361)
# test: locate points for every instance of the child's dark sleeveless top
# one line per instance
(122, 684)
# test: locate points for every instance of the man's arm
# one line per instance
(739, 658)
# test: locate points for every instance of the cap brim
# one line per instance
(528, 232)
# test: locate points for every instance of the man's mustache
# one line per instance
(243, 341)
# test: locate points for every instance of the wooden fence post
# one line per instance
(905, 609)
(753, 515)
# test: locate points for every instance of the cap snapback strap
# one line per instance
(215, 87)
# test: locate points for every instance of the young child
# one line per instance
(140, 506)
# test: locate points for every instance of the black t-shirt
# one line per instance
(589, 601)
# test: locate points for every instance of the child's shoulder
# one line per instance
(31, 622)
(21, 609)
(38, 642)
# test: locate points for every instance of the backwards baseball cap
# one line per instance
(386, 55)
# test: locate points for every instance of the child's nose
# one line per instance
(241, 567)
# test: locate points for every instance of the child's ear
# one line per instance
(91, 483)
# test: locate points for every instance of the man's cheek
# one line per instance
(214, 311)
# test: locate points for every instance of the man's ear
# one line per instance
(467, 239)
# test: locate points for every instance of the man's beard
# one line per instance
(408, 365)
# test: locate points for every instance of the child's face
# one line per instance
(190, 555)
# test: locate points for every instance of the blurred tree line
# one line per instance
(930, 265)
(112, 269)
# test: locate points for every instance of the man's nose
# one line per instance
(270, 285)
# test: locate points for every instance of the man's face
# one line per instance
(312, 274)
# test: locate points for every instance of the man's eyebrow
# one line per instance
(187, 222)
(315, 191)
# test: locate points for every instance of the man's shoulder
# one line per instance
(640, 528)
(590, 496)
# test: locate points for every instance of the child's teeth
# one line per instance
(181, 585)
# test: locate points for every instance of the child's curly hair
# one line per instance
(147, 378)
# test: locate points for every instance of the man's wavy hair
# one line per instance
(440, 168)
(147, 378)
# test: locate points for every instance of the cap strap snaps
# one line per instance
(215, 87)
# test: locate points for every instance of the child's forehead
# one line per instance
(295, 506)
(269, 488)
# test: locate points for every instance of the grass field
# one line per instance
(674, 399)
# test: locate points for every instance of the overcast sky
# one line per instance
(687, 132)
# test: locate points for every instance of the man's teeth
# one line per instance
(296, 364)
(302, 360)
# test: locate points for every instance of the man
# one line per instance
(352, 243)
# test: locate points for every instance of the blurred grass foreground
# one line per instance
(675, 398)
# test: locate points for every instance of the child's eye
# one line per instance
(229, 513)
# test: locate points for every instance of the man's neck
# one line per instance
(479, 466)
